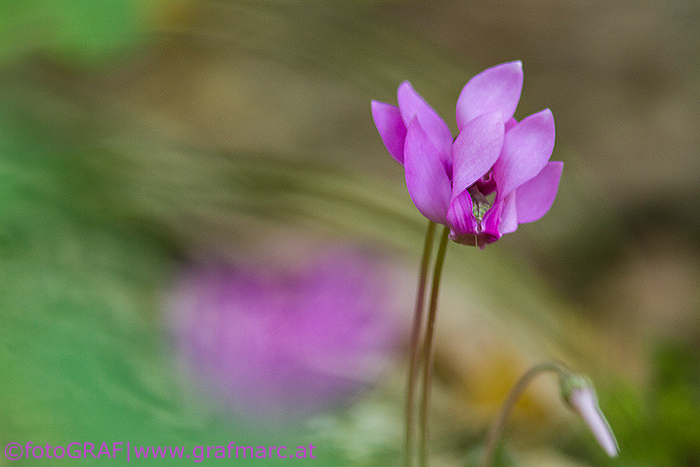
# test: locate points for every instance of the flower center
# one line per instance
(480, 203)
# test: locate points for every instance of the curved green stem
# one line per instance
(509, 404)
(414, 348)
(428, 350)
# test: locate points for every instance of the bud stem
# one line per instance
(509, 404)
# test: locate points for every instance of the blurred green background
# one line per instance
(135, 133)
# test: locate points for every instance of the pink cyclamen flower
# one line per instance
(277, 346)
(495, 175)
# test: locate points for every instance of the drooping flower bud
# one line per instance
(579, 394)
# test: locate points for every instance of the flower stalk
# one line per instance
(428, 350)
(415, 347)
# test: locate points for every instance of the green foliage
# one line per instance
(676, 413)
(501, 457)
(77, 32)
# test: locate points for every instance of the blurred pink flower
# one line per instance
(280, 345)
(452, 182)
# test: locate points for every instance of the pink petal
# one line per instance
(535, 197)
(490, 225)
(460, 217)
(585, 402)
(509, 217)
(475, 150)
(412, 104)
(526, 149)
(426, 177)
(496, 89)
(391, 128)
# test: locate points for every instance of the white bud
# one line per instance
(580, 395)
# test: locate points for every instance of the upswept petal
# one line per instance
(535, 197)
(426, 176)
(411, 104)
(526, 149)
(509, 216)
(475, 150)
(460, 217)
(496, 89)
(391, 127)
